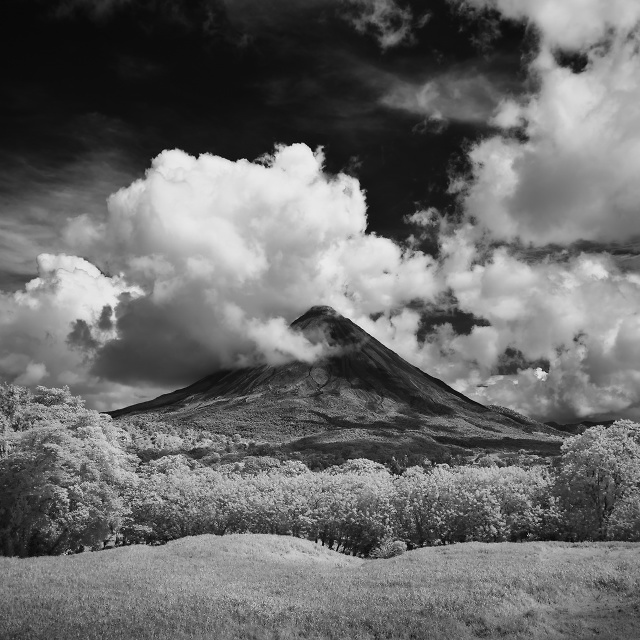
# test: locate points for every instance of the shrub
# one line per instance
(389, 549)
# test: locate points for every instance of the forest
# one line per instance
(72, 479)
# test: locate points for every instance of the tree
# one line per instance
(599, 480)
(60, 482)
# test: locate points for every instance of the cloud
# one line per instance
(462, 95)
(34, 373)
(226, 255)
(579, 313)
(571, 173)
(58, 307)
(569, 24)
(575, 178)
(564, 169)
(390, 23)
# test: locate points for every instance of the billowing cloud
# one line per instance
(41, 324)
(580, 314)
(227, 254)
(574, 177)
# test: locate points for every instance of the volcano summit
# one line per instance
(361, 396)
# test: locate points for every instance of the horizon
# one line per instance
(183, 180)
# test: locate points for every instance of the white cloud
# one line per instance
(34, 373)
(273, 339)
(575, 178)
(228, 253)
(570, 24)
(540, 373)
(580, 314)
(36, 323)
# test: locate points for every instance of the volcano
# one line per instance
(361, 397)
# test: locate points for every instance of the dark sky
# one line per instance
(103, 87)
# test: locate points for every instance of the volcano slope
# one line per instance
(362, 399)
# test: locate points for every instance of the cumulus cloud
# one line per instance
(580, 314)
(37, 323)
(34, 373)
(226, 255)
(575, 175)
(575, 178)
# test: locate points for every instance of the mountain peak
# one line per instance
(324, 324)
(360, 394)
(319, 310)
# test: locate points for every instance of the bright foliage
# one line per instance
(62, 473)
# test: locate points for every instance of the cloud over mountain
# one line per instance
(204, 261)
(214, 255)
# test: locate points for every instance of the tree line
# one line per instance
(71, 479)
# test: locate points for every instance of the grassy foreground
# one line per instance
(259, 587)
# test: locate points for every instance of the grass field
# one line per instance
(259, 587)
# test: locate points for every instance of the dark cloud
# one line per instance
(153, 347)
(513, 360)
(80, 336)
(105, 322)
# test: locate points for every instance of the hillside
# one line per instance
(576, 428)
(266, 587)
(362, 395)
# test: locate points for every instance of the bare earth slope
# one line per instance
(362, 393)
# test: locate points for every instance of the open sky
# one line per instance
(180, 179)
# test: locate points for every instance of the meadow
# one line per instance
(266, 587)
